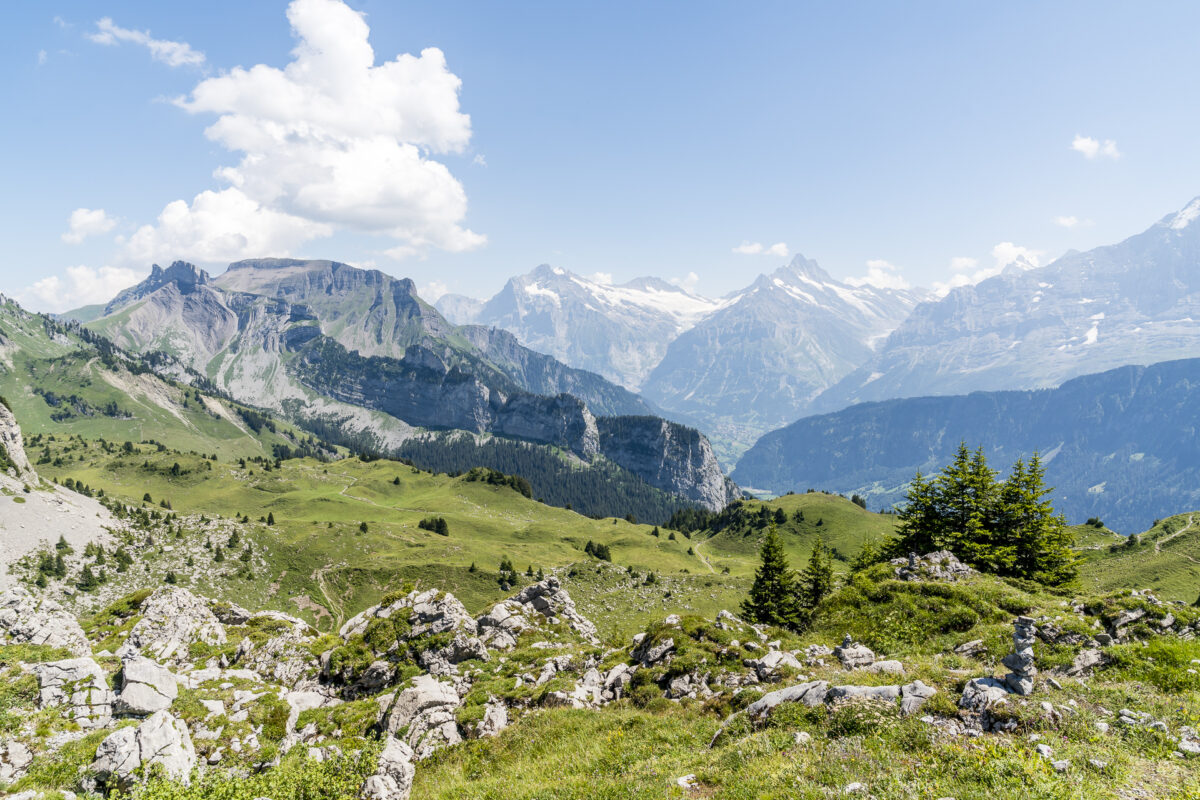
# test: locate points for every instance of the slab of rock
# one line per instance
(913, 697)
(27, 619)
(80, 685)
(393, 777)
(172, 619)
(1086, 661)
(770, 667)
(15, 758)
(888, 694)
(426, 709)
(982, 694)
(886, 667)
(160, 739)
(811, 694)
(853, 655)
(495, 719)
(145, 687)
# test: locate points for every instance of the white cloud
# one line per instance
(41, 57)
(968, 273)
(601, 277)
(688, 282)
(431, 291)
(336, 141)
(881, 274)
(219, 227)
(1094, 148)
(1073, 222)
(479, 159)
(173, 54)
(85, 222)
(81, 286)
(778, 249)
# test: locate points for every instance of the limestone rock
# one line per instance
(549, 599)
(852, 655)
(913, 697)
(393, 777)
(27, 619)
(145, 687)
(770, 667)
(939, 566)
(80, 685)
(172, 619)
(812, 694)
(15, 758)
(495, 719)
(160, 739)
(426, 709)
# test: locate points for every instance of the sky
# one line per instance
(460, 143)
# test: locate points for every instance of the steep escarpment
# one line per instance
(669, 456)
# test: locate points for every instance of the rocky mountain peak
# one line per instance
(184, 275)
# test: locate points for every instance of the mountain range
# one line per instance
(1121, 445)
(331, 346)
(736, 367)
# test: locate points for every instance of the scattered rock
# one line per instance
(939, 566)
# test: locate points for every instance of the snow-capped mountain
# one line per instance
(619, 331)
(1136, 302)
(755, 363)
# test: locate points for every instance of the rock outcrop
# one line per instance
(27, 619)
(393, 777)
(172, 619)
(145, 687)
(424, 713)
(161, 739)
(79, 685)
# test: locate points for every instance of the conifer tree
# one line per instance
(817, 579)
(772, 599)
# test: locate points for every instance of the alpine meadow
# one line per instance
(526, 401)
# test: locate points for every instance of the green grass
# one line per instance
(1164, 559)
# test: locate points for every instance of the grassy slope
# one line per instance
(844, 526)
(640, 752)
(317, 550)
(1164, 559)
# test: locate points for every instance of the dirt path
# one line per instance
(703, 560)
(1160, 542)
(338, 613)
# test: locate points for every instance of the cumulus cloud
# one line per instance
(431, 291)
(334, 141)
(173, 54)
(85, 222)
(1072, 222)
(881, 274)
(778, 249)
(220, 227)
(1094, 148)
(967, 272)
(79, 286)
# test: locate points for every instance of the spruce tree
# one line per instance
(817, 579)
(772, 598)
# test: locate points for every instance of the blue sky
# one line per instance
(617, 138)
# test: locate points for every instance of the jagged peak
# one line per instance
(1184, 217)
(184, 275)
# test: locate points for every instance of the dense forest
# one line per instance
(601, 489)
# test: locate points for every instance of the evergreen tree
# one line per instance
(270, 518)
(1039, 538)
(816, 581)
(772, 599)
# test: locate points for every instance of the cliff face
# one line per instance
(322, 339)
(13, 447)
(668, 456)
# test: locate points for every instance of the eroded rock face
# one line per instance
(285, 657)
(15, 758)
(393, 777)
(14, 447)
(172, 619)
(426, 710)
(161, 739)
(80, 685)
(146, 687)
(27, 619)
